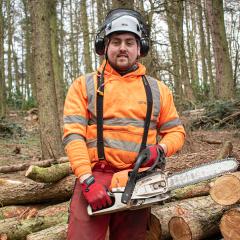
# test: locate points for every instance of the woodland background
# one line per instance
(45, 45)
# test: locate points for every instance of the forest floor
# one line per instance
(24, 145)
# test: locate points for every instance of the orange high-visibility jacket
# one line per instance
(124, 112)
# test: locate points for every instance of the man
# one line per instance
(109, 117)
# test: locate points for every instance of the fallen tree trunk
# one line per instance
(226, 189)
(196, 218)
(49, 174)
(58, 232)
(22, 190)
(24, 166)
(229, 224)
(18, 211)
(18, 229)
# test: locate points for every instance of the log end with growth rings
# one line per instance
(230, 224)
(179, 229)
(226, 190)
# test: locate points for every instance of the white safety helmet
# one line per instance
(124, 23)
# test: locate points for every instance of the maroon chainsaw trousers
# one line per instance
(124, 225)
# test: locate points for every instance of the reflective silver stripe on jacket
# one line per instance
(117, 121)
(90, 92)
(75, 119)
(71, 137)
(124, 122)
(156, 96)
(170, 124)
(117, 144)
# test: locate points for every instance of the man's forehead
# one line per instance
(124, 35)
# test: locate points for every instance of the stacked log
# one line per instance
(230, 223)
(58, 232)
(191, 212)
(226, 189)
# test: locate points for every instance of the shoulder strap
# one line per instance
(100, 94)
(149, 112)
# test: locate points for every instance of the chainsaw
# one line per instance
(148, 186)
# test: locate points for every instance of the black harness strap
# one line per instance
(148, 114)
(100, 94)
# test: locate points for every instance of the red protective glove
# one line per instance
(153, 154)
(95, 193)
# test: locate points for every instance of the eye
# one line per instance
(130, 42)
(115, 42)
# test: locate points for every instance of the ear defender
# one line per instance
(99, 44)
(144, 47)
(132, 18)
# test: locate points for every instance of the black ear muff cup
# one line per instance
(144, 47)
(99, 45)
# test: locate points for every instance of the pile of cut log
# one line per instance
(35, 205)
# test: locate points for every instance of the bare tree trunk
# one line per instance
(188, 92)
(212, 93)
(122, 3)
(174, 50)
(58, 78)
(86, 39)
(202, 47)
(224, 73)
(192, 47)
(50, 132)
(2, 69)
(74, 67)
(9, 51)
(29, 55)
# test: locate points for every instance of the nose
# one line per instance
(122, 46)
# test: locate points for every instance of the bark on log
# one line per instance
(161, 215)
(22, 190)
(49, 174)
(229, 224)
(197, 218)
(18, 229)
(18, 211)
(226, 189)
(58, 232)
(24, 166)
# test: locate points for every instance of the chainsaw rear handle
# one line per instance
(90, 210)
